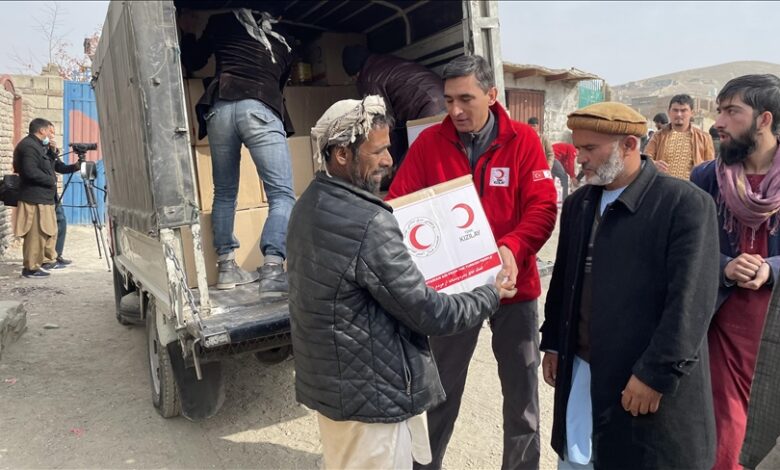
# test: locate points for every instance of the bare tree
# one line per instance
(70, 67)
(49, 25)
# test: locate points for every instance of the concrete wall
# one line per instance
(560, 99)
(45, 94)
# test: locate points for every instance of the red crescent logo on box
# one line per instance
(413, 238)
(469, 213)
(423, 236)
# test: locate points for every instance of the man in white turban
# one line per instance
(359, 308)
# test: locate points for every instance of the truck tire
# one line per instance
(119, 292)
(275, 355)
(165, 393)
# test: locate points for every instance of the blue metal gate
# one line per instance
(81, 125)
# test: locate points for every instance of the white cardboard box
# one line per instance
(414, 128)
(448, 236)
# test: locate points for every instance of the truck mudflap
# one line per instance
(199, 399)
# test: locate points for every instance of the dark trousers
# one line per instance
(559, 172)
(62, 227)
(516, 349)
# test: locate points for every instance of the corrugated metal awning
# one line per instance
(550, 75)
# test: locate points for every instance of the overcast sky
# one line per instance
(619, 41)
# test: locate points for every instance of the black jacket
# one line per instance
(361, 312)
(410, 90)
(244, 69)
(655, 281)
(37, 166)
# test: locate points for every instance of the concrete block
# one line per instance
(37, 101)
(13, 323)
(40, 83)
(56, 83)
(55, 102)
(22, 82)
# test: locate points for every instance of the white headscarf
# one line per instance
(259, 29)
(344, 121)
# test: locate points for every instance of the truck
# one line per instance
(158, 174)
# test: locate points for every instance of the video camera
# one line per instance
(81, 149)
(88, 170)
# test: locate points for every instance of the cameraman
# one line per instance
(36, 158)
(62, 223)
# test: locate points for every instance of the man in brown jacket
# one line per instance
(678, 146)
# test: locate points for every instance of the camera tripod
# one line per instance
(88, 172)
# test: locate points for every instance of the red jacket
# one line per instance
(512, 179)
(566, 154)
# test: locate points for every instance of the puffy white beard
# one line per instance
(608, 171)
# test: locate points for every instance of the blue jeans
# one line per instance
(251, 122)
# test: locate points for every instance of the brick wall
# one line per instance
(31, 108)
(6, 157)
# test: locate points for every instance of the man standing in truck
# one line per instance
(243, 104)
(516, 188)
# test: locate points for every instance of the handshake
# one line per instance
(506, 278)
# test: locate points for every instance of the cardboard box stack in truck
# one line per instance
(159, 174)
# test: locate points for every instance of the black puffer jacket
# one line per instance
(361, 311)
(36, 165)
(410, 90)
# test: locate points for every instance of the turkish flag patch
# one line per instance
(539, 175)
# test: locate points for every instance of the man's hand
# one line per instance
(506, 288)
(550, 368)
(509, 263)
(662, 166)
(638, 398)
(762, 276)
(743, 268)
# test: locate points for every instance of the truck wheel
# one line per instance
(119, 293)
(165, 394)
(275, 355)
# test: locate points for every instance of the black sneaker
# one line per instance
(53, 265)
(273, 281)
(38, 273)
(63, 261)
(231, 275)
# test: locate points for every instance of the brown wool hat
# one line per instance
(608, 117)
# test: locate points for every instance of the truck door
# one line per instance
(481, 37)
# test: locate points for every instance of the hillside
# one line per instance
(702, 82)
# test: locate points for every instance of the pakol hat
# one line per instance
(608, 118)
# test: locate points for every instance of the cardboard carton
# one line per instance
(302, 163)
(324, 55)
(247, 228)
(306, 104)
(448, 236)
(193, 90)
(414, 128)
(250, 190)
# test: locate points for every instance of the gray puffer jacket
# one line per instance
(361, 312)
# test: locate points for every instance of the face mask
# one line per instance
(45, 141)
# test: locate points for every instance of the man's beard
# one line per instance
(366, 182)
(738, 148)
(608, 171)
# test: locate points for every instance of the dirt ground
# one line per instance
(78, 396)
